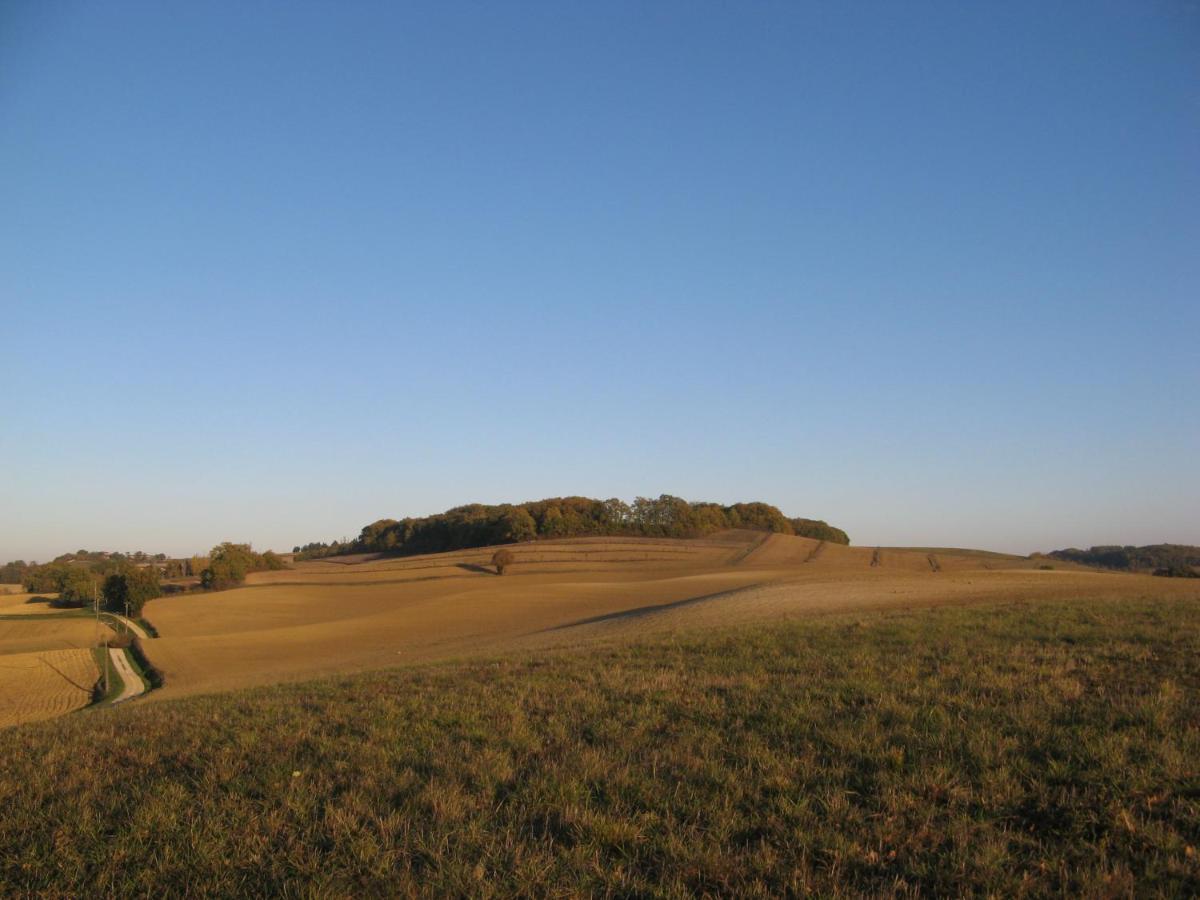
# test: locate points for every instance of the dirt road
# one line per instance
(131, 625)
(133, 684)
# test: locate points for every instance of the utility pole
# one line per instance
(103, 644)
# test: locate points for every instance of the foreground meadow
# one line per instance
(1002, 748)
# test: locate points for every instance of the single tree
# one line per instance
(78, 588)
(502, 559)
(126, 591)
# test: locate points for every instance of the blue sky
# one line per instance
(272, 271)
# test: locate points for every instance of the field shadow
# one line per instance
(473, 567)
(45, 600)
(640, 611)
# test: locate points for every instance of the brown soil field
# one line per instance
(42, 685)
(357, 613)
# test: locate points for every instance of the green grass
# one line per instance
(1043, 749)
(116, 683)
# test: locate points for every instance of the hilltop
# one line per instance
(481, 525)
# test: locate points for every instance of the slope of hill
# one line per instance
(1008, 749)
(368, 612)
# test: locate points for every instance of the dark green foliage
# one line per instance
(66, 568)
(47, 579)
(272, 561)
(821, 531)
(1176, 560)
(1001, 750)
(229, 564)
(128, 590)
(1178, 570)
(153, 675)
(79, 588)
(14, 572)
(478, 525)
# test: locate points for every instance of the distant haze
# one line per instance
(268, 273)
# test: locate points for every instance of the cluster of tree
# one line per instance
(319, 549)
(14, 572)
(56, 577)
(136, 556)
(69, 568)
(122, 588)
(127, 591)
(821, 531)
(478, 525)
(79, 578)
(229, 564)
(1172, 560)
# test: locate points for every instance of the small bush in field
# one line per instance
(502, 559)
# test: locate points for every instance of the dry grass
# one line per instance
(45, 684)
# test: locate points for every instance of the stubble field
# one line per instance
(356, 614)
(44, 684)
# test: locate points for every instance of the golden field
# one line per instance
(18, 604)
(21, 635)
(46, 664)
(41, 685)
(360, 613)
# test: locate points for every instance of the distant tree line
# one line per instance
(81, 578)
(119, 585)
(1172, 560)
(48, 577)
(479, 525)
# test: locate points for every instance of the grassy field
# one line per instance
(1002, 748)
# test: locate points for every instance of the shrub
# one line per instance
(502, 559)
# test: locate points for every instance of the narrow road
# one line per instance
(131, 625)
(133, 684)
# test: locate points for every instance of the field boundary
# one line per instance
(745, 552)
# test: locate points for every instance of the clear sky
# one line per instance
(271, 271)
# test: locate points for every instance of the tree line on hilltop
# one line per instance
(1171, 560)
(481, 525)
